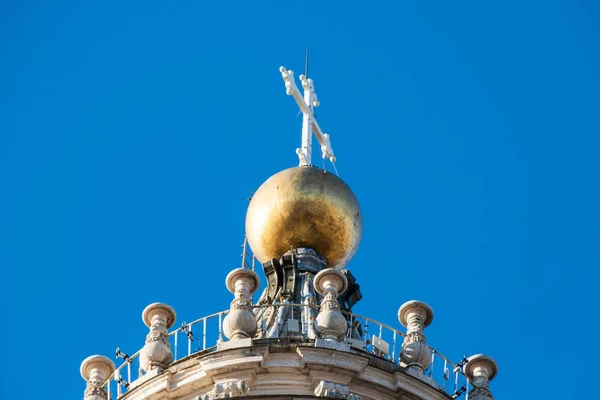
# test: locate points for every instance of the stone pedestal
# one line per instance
(240, 323)
(331, 323)
(156, 353)
(96, 370)
(481, 370)
(415, 355)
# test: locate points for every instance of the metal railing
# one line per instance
(385, 341)
(366, 334)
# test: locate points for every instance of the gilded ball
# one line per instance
(304, 207)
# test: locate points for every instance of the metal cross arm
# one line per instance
(309, 121)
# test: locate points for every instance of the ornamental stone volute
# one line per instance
(330, 323)
(156, 353)
(240, 323)
(415, 355)
(96, 370)
(481, 370)
(333, 390)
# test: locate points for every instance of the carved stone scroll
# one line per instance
(334, 391)
(225, 390)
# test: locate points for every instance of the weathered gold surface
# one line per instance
(304, 207)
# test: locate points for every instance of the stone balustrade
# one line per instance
(205, 333)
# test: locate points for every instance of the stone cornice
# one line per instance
(287, 370)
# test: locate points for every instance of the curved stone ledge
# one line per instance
(281, 369)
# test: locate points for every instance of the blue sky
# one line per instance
(131, 136)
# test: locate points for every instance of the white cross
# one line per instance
(309, 121)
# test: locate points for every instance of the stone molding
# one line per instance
(291, 369)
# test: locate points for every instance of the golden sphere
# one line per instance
(304, 207)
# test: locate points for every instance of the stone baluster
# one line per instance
(96, 370)
(156, 354)
(330, 323)
(415, 355)
(240, 323)
(481, 370)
